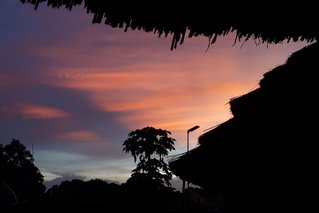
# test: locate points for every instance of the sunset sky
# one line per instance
(74, 90)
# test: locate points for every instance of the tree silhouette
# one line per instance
(150, 146)
(19, 172)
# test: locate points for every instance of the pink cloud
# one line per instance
(33, 111)
(9, 80)
(4, 78)
(81, 135)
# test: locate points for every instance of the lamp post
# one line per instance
(184, 196)
(188, 131)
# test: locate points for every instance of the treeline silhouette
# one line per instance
(97, 195)
(22, 189)
(101, 196)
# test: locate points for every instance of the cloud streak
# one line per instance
(83, 135)
(33, 111)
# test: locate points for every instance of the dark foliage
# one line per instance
(139, 195)
(93, 190)
(19, 172)
(150, 146)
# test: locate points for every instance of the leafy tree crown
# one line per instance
(149, 146)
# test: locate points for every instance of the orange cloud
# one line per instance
(170, 96)
(178, 110)
(99, 79)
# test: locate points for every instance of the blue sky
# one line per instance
(74, 90)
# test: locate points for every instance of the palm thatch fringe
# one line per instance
(267, 26)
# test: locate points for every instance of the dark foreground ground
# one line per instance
(87, 207)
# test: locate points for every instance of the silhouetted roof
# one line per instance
(264, 21)
(269, 145)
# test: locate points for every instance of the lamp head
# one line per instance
(192, 129)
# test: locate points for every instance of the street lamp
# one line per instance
(184, 197)
(188, 131)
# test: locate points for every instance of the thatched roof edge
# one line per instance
(197, 20)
